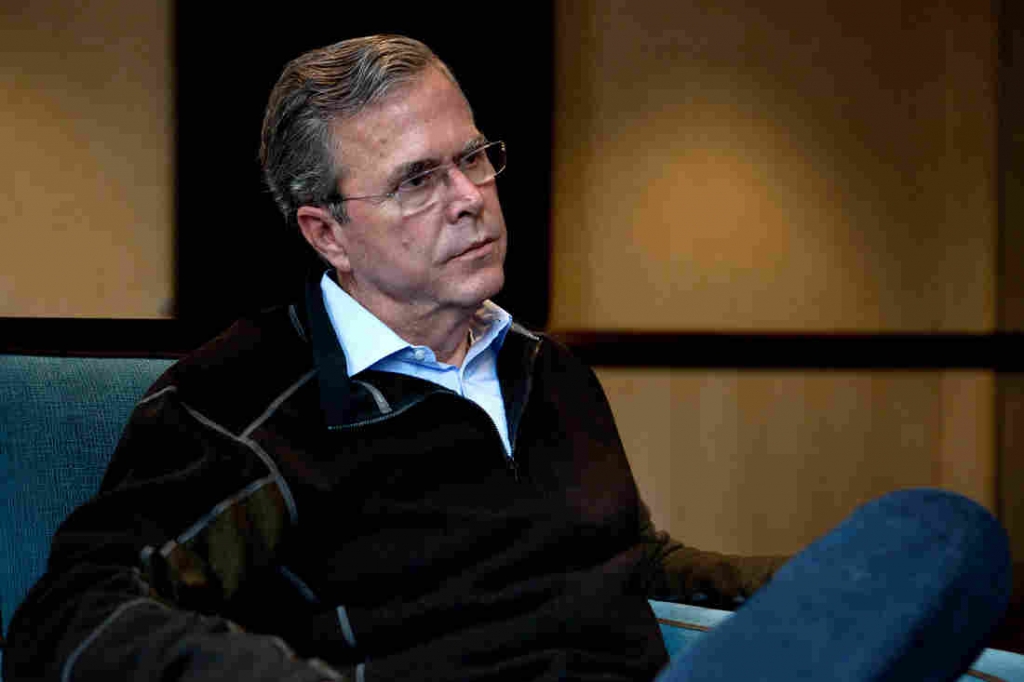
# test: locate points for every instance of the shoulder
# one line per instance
(547, 360)
(554, 355)
(239, 372)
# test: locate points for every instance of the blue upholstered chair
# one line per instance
(59, 421)
(60, 418)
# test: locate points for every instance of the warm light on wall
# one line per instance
(797, 165)
(87, 171)
(812, 167)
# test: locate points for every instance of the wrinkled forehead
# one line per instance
(425, 117)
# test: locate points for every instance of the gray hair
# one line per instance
(318, 88)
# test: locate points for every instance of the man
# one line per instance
(387, 480)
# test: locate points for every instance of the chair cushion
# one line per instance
(60, 419)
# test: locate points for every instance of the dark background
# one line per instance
(235, 254)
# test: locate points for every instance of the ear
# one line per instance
(324, 234)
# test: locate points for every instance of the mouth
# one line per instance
(476, 249)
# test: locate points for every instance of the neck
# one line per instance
(449, 341)
(443, 330)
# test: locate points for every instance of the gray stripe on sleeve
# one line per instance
(382, 403)
(69, 664)
(346, 627)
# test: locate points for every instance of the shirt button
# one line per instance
(419, 353)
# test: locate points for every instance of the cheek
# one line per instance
(423, 241)
(396, 244)
(415, 251)
(492, 203)
(416, 240)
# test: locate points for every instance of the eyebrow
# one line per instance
(409, 169)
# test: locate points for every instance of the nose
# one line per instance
(464, 195)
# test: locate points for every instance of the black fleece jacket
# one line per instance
(265, 517)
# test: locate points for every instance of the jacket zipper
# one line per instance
(510, 462)
(527, 391)
(510, 459)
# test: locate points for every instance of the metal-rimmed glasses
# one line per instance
(479, 164)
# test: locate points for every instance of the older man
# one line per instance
(388, 479)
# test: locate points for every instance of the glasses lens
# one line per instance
(417, 192)
(496, 159)
(481, 166)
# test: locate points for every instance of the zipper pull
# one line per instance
(513, 466)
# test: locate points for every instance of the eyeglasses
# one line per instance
(480, 165)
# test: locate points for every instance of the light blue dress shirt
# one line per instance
(368, 343)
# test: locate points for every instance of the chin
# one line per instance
(482, 285)
(497, 281)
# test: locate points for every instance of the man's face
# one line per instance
(449, 255)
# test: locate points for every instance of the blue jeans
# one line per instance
(907, 588)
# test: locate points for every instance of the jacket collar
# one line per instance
(332, 372)
(516, 360)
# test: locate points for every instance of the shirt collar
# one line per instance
(488, 327)
(366, 340)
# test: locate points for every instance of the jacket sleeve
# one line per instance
(669, 570)
(683, 574)
(141, 579)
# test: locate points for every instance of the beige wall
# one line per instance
(86, 171)
(797, 165)
(762, 462)
(792, 164)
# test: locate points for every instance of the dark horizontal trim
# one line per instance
(709, 350)
(798, 350)
(77, 336)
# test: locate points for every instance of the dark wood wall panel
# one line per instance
(1010, 387)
